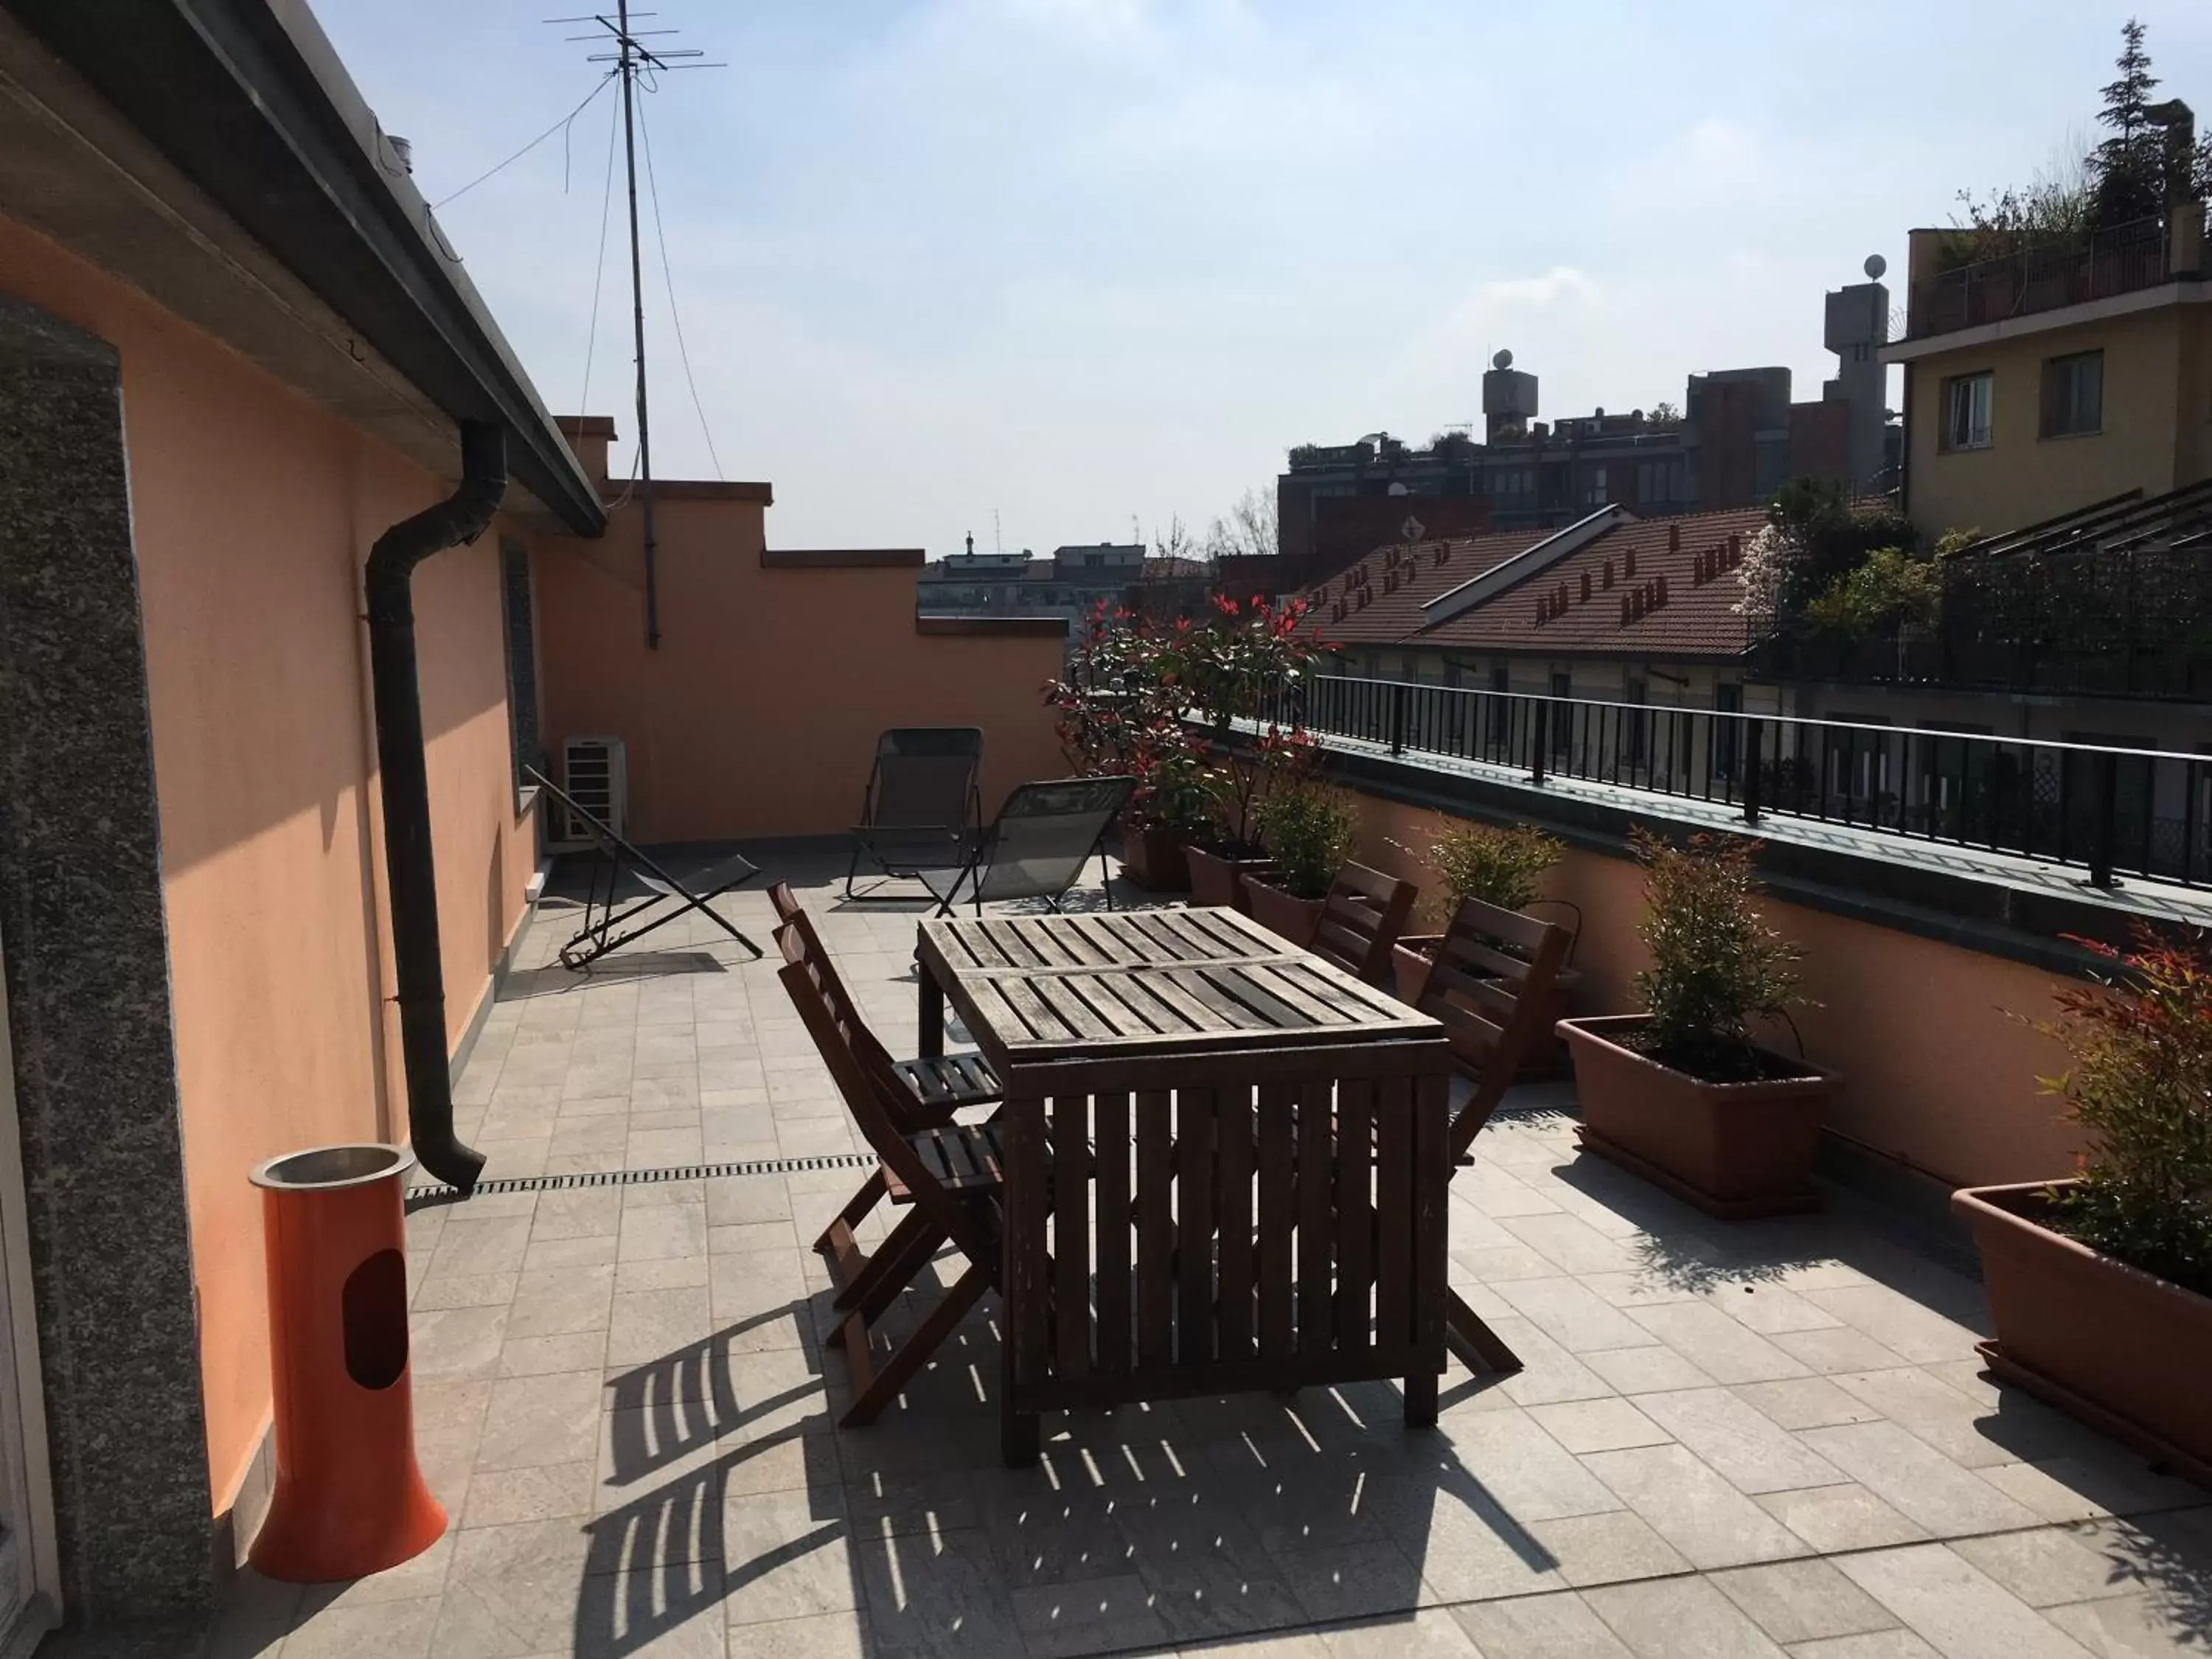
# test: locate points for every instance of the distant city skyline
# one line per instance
(1075, 261)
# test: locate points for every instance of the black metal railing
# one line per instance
(2106, 262)
(2107, 812)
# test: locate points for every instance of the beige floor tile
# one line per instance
(2054, 1564)
(1091, 1615)
(1710, 1522)
(386, 1629)
(1961, 1610)
(1916, 1481)
(1679, 1619)
(1557, 1627)
(1592, 1425)
(1605, 1549)
(1845, 1517)
(1746, 1448)
(511, 1496)
(1726, 1350)
(1802, 1600)
(533, 1421)
(1805, 1403)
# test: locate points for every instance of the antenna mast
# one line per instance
(627, 61)
(631, 58)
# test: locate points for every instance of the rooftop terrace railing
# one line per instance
(2118, 260)
(2107, 813)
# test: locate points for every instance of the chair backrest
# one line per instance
(784, 902)
(925, 778)
(1365, 912)
(1490, 989)
(1036, 846)
(874, 1108)
(803, 946)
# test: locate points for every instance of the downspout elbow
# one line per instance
(403, 784)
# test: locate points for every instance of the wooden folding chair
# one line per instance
(1488, 989)
(1365, 912)
(924, 1094)
(948, 1176)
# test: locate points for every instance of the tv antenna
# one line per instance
(631, 58)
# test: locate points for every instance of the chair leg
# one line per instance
(1477, 1346)
(883, 1383)
(837, 1246)
(893, 1266)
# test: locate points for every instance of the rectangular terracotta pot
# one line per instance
(2123, 1350)
(1411, 959)
(1297, 920)
(1156, 859)
(1215, 880)
(1735, 1149)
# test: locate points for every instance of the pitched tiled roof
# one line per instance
(1378, 600)
(1645, 587)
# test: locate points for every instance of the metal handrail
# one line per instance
(2104, 809)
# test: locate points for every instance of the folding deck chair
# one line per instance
(1037, 845)
(598, 936)
(922, 807)
(1488, 989)
(929, 1091)
(1365, 912)
(949, 1177)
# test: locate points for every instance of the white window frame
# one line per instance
(1976, 437)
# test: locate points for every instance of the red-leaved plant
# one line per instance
(2141, 1083)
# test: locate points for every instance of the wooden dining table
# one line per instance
(1226, 1159)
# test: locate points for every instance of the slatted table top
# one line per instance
(1095, 986)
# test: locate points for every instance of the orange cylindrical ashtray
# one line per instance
(350, 1498)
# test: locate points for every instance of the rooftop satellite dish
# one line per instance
(1876, 264)
(1503, 360)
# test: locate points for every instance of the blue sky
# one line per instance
(1079, 261)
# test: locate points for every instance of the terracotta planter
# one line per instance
(1735, 1149)
(1155, 859)
(1297, 920)
(1411, 959)
(1413, 956)
(2123, 1350)
(1218, 880)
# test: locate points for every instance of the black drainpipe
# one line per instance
(410, 873)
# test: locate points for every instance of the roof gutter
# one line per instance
(403, 777)
(250, 103)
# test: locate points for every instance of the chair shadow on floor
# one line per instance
(1152, 1525)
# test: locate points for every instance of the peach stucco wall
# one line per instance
(1938, 1072)
(758, 714)
(253, 511)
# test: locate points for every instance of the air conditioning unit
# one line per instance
(595, 772)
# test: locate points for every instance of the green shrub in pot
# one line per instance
(1502, 865)
(2141, 1083)
(1310, 830)
(1715, 965)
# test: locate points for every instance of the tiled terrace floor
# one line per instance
(1728, 1440)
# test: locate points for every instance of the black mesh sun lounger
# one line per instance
(602, 921)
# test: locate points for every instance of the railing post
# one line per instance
(1398, 718)
(1752, 736)
(1539, 728)
(2107, 808)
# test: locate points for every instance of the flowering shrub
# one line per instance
(1120, 712)
(1133, 683)
(1768, 573)
(2141, 1083)
(1715, 963)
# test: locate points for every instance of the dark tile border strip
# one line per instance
(421, 1198)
